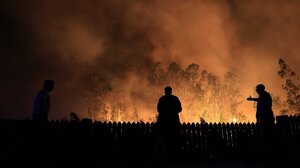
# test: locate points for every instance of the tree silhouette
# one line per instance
(204, 95)
(291, 88)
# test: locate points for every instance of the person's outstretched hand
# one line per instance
(249, 98)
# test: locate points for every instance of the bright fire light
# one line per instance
(234, 120)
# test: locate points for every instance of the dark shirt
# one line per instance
(41, 105)
(168, 108)
(264, 106)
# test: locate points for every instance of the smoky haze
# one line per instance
(72, 41)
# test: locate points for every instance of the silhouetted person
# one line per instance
(264, 112)
(42, 102)
(168, 122)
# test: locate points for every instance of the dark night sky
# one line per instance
(67, 40)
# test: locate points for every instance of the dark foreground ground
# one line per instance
(96, 145)
(142, 162)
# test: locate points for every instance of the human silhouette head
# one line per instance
(260, 88)
(168, 90)
(48, 85)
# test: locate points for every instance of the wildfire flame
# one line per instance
(202, 94)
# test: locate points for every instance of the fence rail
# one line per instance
(23, 137)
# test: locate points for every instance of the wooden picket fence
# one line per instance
(104, 139)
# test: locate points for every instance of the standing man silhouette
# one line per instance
(264, 112)
(41, 106)
(168, 108)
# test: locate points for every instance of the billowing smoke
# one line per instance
(102, 51)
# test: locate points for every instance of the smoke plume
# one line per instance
(116, 43)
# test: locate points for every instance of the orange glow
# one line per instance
(100, 53)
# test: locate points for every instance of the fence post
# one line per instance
(284, 134)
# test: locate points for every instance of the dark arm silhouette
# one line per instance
(179, 108)
(252, 99)
(159, 106)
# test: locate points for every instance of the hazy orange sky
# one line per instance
(67, 40)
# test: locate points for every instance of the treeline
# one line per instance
(204, 95)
